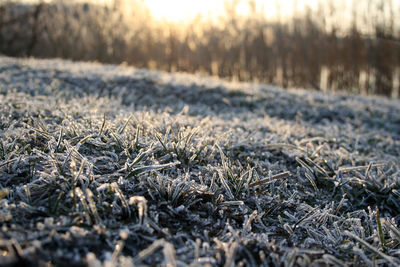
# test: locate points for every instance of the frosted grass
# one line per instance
(116, 166)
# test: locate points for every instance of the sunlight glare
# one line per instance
(180, 10)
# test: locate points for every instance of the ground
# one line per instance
(112, 165)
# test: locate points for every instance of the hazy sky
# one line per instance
(176, 10)
(181, 10)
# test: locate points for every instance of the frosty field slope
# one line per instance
(104, 164)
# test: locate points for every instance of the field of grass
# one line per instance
(116, 166)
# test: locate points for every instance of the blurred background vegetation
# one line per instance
(351, 46)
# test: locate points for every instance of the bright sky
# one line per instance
(180, 10)
(177, 10)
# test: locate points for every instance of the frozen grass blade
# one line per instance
(82, 198)
(333, 260)
(122, 129)
(359, 168)
(144, 169)
(380, 230)
(122, 198)
(141, 203)
(8, 162)
(225, 185)
(393, 229)
(149, 250)
(231, 254)
(103, 125)
(169, 255)
(4, 192)
(92, 206)
(392, 261)
(59, 139)
(274, 177)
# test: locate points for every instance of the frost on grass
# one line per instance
(108, 165)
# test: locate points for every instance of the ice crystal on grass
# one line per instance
(108, 165)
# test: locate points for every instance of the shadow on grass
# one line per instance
(151, 93)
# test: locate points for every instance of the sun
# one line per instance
(180, 10)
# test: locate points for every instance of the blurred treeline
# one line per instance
(320, 49)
